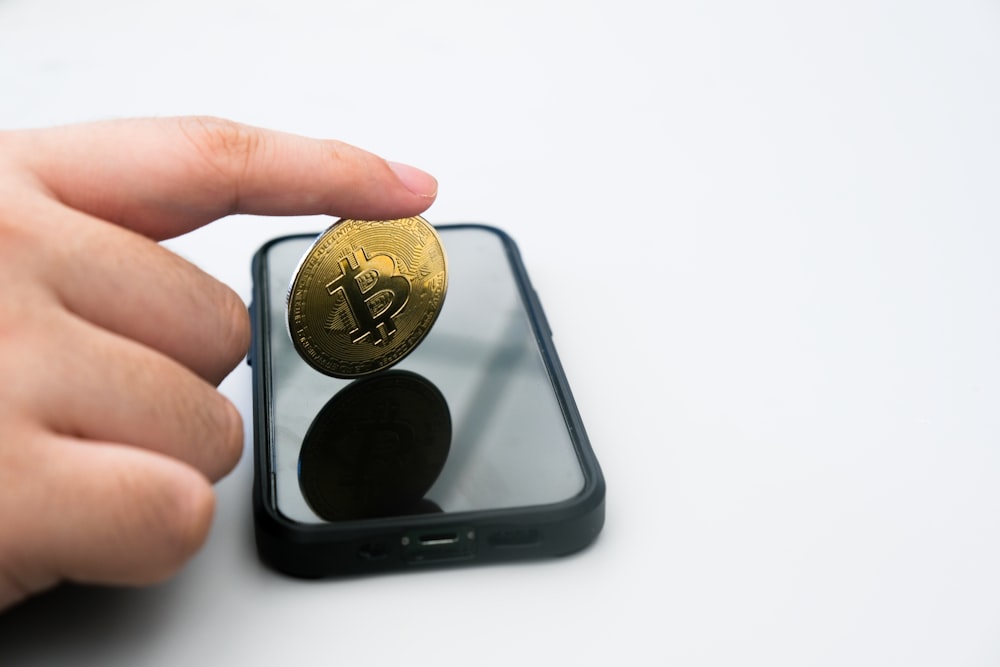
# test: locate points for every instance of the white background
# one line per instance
(766, 238)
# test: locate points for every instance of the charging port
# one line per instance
(439, 545)
(438, 539)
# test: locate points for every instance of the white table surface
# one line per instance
(766, 236)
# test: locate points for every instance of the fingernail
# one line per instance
(418, 182)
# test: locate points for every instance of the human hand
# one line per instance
(111, 429)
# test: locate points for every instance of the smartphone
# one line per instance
(470, 449)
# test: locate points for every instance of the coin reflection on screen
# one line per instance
(376, 448)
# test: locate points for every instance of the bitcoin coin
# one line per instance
(365, 294)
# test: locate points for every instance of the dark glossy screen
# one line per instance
(468, 421)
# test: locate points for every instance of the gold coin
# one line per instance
(365, 294)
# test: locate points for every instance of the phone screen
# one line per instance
(469, 421)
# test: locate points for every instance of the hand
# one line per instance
(111, 429)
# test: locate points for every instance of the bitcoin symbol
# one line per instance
(374, 292)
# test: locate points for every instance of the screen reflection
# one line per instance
(376, 448)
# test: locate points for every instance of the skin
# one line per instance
(111, 347)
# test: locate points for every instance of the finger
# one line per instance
(104, 513)
(129, 284)
(163, 177)
(120, 391)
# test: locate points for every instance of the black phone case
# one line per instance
(384, 544)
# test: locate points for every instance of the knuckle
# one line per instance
(220, 439)
(181, 518)
(220, 136)
(231, 439)
(227, 146)
(234, 327)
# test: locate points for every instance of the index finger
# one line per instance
(166, 176)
